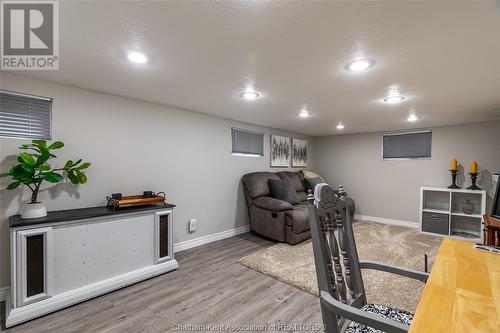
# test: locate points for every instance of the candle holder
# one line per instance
(453, 179)
(473, 177)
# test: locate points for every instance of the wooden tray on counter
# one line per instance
(135, 200)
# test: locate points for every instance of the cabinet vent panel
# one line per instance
(164, 236)
(35, 265)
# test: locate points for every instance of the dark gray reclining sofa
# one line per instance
(274, 218)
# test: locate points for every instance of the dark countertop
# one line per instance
(80, 214)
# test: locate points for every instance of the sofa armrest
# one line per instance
(351, 206)
(272, 204)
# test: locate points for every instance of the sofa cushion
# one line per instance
(351, 206)
(293, 179)
(310, 174)
(256, 183)
(312, 182)
(300, 174)
(283, 190)
(298, 218)
(311, 179)
(302, 196)
(272, 204)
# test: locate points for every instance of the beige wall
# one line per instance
(390, 189)
(136, 146)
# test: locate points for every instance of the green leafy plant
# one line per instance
(33, 168)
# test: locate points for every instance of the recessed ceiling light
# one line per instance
(304, 114)
(250, 95)
(394, 99)
(359, 65)
(340, 126)
(137, 57)
(412, 118)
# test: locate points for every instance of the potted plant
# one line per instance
(33, 169)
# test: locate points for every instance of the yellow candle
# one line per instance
(473, 167)
(454, 165)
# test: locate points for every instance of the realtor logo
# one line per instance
(30, 35)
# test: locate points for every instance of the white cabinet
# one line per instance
(452, 212)
(57, 262)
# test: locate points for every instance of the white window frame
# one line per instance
(34, 97)
(243, 153)
(404, 158)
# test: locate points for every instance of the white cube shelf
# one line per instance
(441, 212)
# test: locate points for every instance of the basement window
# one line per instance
(247, 143)
(25, 116)
(409, 145)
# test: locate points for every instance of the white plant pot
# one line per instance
(33, 210)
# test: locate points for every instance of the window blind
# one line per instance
(247, 142)
(25, 116)
(407, 145)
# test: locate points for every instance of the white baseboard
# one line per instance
(37, 309)
(386, 221)
(210, 238)
(178, 247)
(3, 293)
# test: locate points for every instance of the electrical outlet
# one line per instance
(192, 225)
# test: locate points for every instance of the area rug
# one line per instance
(397, 245)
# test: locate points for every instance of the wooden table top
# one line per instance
(462, 293)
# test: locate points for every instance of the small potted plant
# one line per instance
(33, 169)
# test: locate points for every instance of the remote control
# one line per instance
(487, 248)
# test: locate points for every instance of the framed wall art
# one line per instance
(280, 151)
(299, 153)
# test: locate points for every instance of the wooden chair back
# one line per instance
(335, 253)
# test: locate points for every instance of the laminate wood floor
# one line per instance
(209, 288)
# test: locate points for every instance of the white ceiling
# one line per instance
(444, 57)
